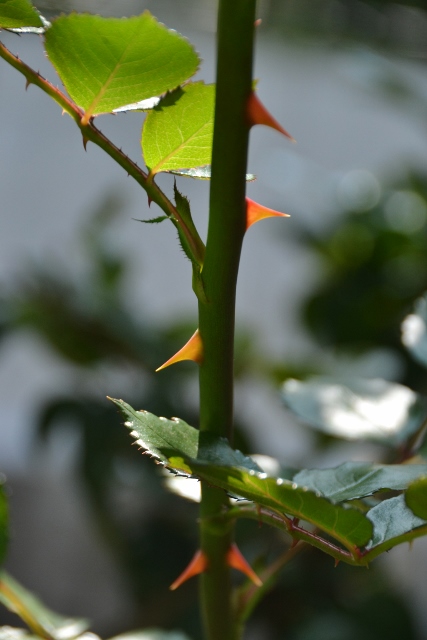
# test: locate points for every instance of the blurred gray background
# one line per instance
(326, 71)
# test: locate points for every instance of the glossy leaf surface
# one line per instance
(203, 173)
(39, 618)
(391, 519)
(414, 331)
(107, 63)
(4, 522)
(348, 526)
(416, 497)
(18, 13)
(177, 134)
(362, 409)
(164, 439)
(353, 480)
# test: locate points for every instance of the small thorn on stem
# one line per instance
(294, 543)
(237, 561)
(85, 141)
(256, 212)
(192, 350)
(258, 22)
(336, 563)
(198, 564)
(27, 84)
(150, 200)
(258, 114)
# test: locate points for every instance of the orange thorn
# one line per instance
(192, 350)
(197, 565)
(237, 561)
(336, 562)
(256, 212)
(258, 22)
(258, 114)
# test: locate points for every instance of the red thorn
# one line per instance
(237, 561)
(192, 350)
(336, 562)
(294, 543)
(85, 141)
(258, 114)
(256, 212)
(197, 565)
(258, 22)
(150, 200)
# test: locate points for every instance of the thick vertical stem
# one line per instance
(227, 220)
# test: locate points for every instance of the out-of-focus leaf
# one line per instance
(359, 410)
(18, 13)
(164, 439)
(203, 173)
(414, 331)
(348, 526)
(152, 634)
(391, 519)
(107, 63)
(39, 618)
(4, 523)
(416, 497)
(353, 480)
(177, 134)
(12, 633)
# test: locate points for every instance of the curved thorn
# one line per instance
(85, 141)
(198, 564)
(258, 114)
(256, 212)
(237, 561)
(192, 350)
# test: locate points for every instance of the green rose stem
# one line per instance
(227, 224)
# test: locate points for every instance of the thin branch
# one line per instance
(91, 133)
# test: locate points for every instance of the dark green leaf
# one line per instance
(392, 518)
(164, 439)
(203, 173)
(177, 134)
(18, 13)
(360, 410)
(4, 522)
(416, 497)
(353, 480)
(107, 63)
(154, 220)
(39, 618)
(348, 526)
(414, 331)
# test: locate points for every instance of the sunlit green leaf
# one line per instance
(18, 13)
(353, 480)
(4, 522)
(414, 331)
(359, 410)
(177, 134)
(348, 526)
(391, 519)
(12, 633)
(164, 439)
(107, 63)
(416, 497)
(203, 173)
(39, 618)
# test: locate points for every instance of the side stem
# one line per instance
(227, 222)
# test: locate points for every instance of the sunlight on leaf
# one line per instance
(392, 518)
(362, 409)
(416, 497)
(203, 173)
(18, 13)
(177, 134)
(414, 331)
(108, 63)
(152, 634)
